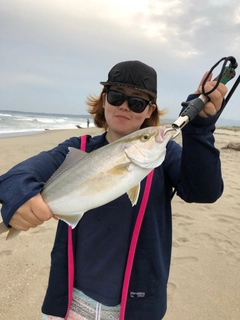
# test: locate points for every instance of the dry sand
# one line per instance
(204, 281)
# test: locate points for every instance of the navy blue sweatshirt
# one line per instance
(194, 170)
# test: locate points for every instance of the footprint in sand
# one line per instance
(237, 228)
(44, 271)
(222, 245)
(226, 218)
(206, 207)
(234, 182)
(226, 246)
(42, 229)
(180, 241)
(177, 215)
(5, 252)
(185, 260)
(171, 287)
(234, 230)
(204, 236)
(230, 195)
(184, 225)
(43, 274)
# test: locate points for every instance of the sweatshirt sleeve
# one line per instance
(195, 169)
(27, 178)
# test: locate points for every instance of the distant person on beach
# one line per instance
(101, 240)
(88, 123)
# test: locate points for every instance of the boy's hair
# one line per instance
(95, 108)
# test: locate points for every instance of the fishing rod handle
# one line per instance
(228, 74)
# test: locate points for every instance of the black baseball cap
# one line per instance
(134, 74)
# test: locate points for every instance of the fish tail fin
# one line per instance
(12, 232)
(3, 228)
(71, 220)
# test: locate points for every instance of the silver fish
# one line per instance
(88, 180)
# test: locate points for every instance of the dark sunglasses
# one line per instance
(116, 98)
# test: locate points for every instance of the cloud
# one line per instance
(56, 52)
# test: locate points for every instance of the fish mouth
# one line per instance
(160, 136)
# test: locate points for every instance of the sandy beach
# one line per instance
(204, 280)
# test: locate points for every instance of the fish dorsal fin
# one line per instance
(74, 156)
(133, 194)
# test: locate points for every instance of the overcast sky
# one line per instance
(54, 53)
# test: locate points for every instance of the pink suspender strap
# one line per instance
(133, 244)
(70, 269)
(70, 250)
(83, 145)
(131, 252)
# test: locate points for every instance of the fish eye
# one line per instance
(145, 137)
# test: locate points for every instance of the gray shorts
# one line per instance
(85, 308)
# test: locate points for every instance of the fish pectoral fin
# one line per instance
(133, 194)
(121, 169)
(71, 220)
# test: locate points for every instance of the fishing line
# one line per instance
(233, 65)
(234, 87)
(196, 105)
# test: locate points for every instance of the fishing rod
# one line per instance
(234, 87)
(193, 107)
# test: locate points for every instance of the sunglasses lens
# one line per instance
(115, 98)
(137, 105)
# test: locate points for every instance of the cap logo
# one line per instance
(134, 78)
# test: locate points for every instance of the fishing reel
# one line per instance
(193, 107)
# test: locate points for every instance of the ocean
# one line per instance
(15, 123)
